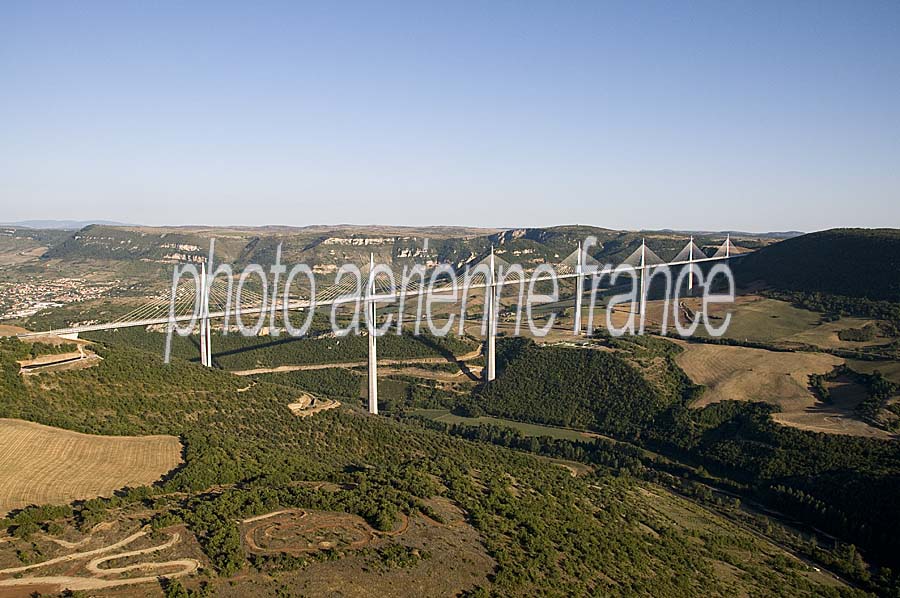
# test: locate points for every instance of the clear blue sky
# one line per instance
(701, 115)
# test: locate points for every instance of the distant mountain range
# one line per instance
(850, 262)
(785, 234)
(61, 224)
(79, 224)
(330, 247)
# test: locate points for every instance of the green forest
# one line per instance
(571, 388)
(819, 479)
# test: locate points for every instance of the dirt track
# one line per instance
(60, 582)
(94, 565)
(351, 364)
(431, 374)
(297, 531)
(77, 555)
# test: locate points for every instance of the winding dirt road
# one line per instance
(184, 567)
(352, 364)
(78, 555)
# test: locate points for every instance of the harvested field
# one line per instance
(753, 318)
(779, 378)
(835, 416)
(826, 335)
(765, 320)
(40, 464)
(744, 374)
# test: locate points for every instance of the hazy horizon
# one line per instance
(57, 223)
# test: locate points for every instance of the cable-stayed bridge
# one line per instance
(197, 301)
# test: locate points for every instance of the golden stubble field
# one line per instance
(779, 378)
(40, 464)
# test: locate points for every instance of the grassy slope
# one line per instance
(791, 468)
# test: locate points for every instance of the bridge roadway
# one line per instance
(376, 298)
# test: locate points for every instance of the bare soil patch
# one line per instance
(307, 405)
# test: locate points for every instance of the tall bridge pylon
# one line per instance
(204, 327)
(491, 301)
(371, 311)
(724, 251)
(579, 288)
(690, 254)
(643, 298)
(641, 260)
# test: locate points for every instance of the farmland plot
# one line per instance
(40, 464)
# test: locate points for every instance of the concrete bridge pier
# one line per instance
(205, 337)
(642, 305)
(373, 363)
(579, 289)
(207, 330)
(491, 305)
(373, 349)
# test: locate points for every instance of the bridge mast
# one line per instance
(373, 356)
(490, 300)
(579, 289)
(691, 265)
